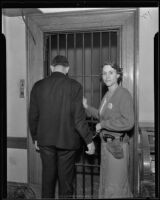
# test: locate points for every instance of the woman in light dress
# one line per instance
(116, 118)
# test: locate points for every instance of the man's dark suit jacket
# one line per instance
(56, 113)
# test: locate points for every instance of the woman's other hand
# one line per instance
(98, 127)
(85, 103)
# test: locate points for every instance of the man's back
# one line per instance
(57, 120)
(57, 102)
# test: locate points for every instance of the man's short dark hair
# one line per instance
(60, 60)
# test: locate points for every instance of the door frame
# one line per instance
(126, 19)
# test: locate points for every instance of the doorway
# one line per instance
(106, 34)
(86, 52)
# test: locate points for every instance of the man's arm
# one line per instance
(79, 115)
(33, 114)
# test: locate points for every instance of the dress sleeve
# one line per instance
(125, 121)
(93, 111)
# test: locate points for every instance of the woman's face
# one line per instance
(109, 75)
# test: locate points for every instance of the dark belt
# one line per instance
(110, 138)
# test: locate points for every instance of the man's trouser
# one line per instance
(57, 163)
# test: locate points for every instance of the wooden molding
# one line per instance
(17, 142)
(15, 12)
(146, 125)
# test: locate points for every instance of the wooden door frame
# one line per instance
(126, 19)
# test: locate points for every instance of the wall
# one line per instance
(14, 31)
(148, 26)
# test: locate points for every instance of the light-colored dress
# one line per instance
(116, 117)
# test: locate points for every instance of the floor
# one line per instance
(15, 191)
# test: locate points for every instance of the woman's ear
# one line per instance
(118, 75)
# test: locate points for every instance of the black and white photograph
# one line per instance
(81, 91)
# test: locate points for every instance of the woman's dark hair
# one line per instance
(118, 69)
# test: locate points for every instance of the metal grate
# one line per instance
(86, 51)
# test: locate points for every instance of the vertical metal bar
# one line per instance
(100, 85)
(75, 50)
(117, 54)
(83, 63)
(50, 59)
(100, 64)
(75, 68)
(83, 82)
(91, 104)
(45, 48)
(91, 68)
(58, 43)
(109, 52)
(75, 181)
(66, 52)
(120, 47)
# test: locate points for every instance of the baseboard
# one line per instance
(20, 191)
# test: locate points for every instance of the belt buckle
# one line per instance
(120, 138)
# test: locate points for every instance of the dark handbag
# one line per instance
(115, 147)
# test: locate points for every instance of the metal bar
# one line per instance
(58, 44)
(75, 181)
(109, 52)
(45, 48)
(85, 75)
(117, 54)
(86, 165)
(100, 59)
(86, 31)
(88, 173)
(50, 40)
(120, 46)
(75, 68)
(66, 52)
(83, 64)
(75, 50)
(91, 104)
(91, 67)
(83, 165)
(83, 81)
(100, 82)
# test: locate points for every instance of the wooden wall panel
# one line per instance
(35, 72)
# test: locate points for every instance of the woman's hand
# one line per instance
(91, 148)
(85, 103)
(98, 127)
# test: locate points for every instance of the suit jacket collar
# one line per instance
(58, 74)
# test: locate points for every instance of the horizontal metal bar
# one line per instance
(88, 173)
(87, 31)
(84, 75)
(86, 165)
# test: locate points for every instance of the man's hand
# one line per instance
(91, 148)
(36, 146)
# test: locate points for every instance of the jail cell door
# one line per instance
(86, 52)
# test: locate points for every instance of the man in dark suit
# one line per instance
(57, 123)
